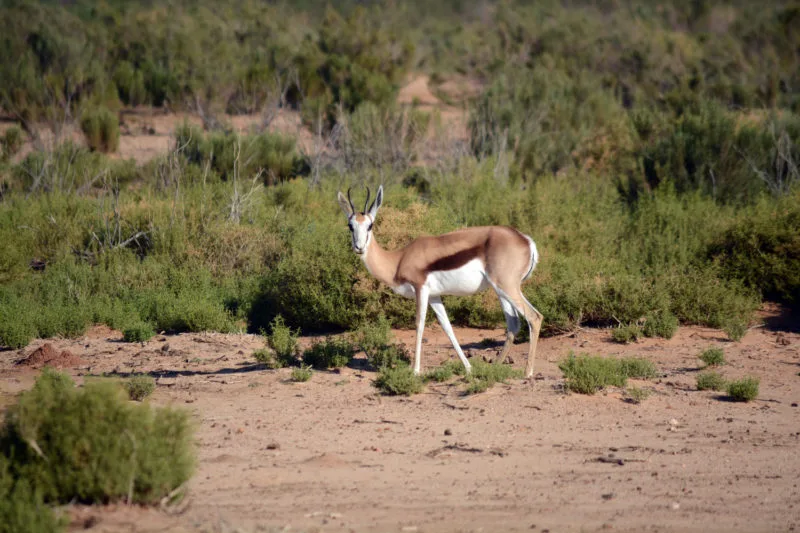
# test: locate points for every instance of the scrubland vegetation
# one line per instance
(651, 151)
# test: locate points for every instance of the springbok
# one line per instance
(459, 263)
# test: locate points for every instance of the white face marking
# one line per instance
(360, 232)
(462, 281)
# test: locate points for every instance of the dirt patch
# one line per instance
(333, 455)
(47, 355)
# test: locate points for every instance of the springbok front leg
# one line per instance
(422, 294)
(444, 321)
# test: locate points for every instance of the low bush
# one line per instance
(10, 143)
(331, 353)
(710, 381)
(91, 445)
(138, 333)
(139, 386)
(661, 324)
(627, 334)
(100, 126)
(266, 357)
(301, 374)
(398, 381)
(587, 374)
(283, 341)
(22, 508)
(713, 357)
(485, 375)
(743, 390)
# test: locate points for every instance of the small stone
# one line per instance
(165, 347)
(448, 432)
(273, 446)
(609, 496)
(674, 422)
(794, 404)
(676, 506)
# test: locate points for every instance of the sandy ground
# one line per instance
(333, 455)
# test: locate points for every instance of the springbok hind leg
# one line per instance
(534, 318)
(512, 326)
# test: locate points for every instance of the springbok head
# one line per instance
(360, 224)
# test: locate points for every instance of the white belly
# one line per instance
(406, 289)
(462, 281)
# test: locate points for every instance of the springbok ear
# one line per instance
(345, 205)
(373, 210)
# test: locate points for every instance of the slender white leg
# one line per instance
(441, 314)
(422, 311)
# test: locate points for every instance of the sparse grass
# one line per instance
(138, 333)
(485, 375)
(636, 395)
(710, 380)
(588, 374)
(713, 357)
(284, 341)
(375, 338)
(138, 453)
(627, 334)
(267, 358)
(440, 374)
(743, 390)
(301, 374)
(139, 386)
(398, 381)
(331, 353)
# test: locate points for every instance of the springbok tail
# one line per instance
(534, 258)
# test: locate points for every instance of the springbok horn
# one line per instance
(352, 208)
(367, 202)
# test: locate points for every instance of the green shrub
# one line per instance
(587, 375)
(485, 375)
(100, 126)
(332, 353)
(375, 338)
(710, 381)
(91, 445)
(626, 334)
(301, 374)
(743, 390)
(22, 507)
(440, 374)
(763, 250)
(284, 341)
(636, 395)
(139, 386)
(138, 333)
(397, 381)
(663, 324)
(637, 368)
(267, 358)
(10, 143)
(713, 357)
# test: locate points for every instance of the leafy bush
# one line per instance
(22, 507)
(637, 368)
(663, 324)
(139, 386)
(763, 250)
(485, 375)
(301, 374)
(91, 445)
(627, 334)
(398, 381)
(284, 341)
(713, 357)
(587, 375)
(440, 374)
(138, 333)
(332, 353)
(743, 390)
(10, 143)
(101, 128)
(710, 381)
